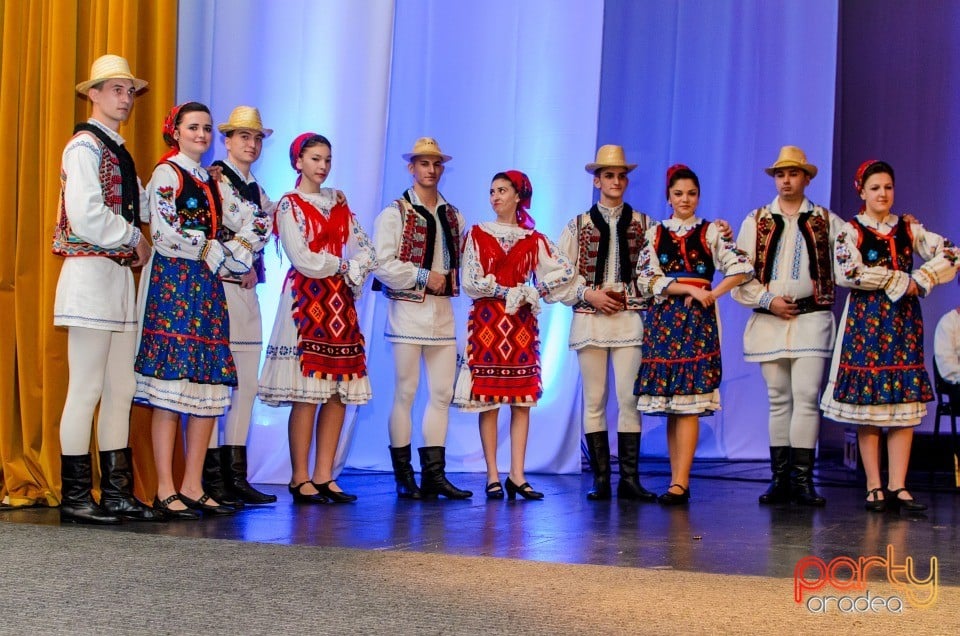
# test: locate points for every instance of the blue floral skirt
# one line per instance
(186, 329)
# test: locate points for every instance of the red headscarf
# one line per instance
(169, 126)
(524, 189)
(858, 178)
(674, 169)
(296, 148)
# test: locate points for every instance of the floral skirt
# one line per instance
(681, 367)
(878, 375)
(184, 362)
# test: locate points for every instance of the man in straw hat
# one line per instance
(418, 239)
(792, 328)
(100, 202)
(607, 326)
(225, 468)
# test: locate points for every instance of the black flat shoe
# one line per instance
(908, 505)
(174, 515)
(525, 490)
(303, 498)
(673, 499)
(874, 503)
(335, 496)
(494, 490)
(206, 508)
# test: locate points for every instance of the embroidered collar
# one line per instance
(681, 227)
(805, 206)
(884, 226)
(610, 213)
(415, 200)
(324, 200)
(113, 135)
(190, 166)
(238, 172)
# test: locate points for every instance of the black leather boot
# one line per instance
(802, 478)
(598, 451)
(403, 473)
(116, 487)
(433, 478)
(780, 490)
(76, 503)
(213, 483)
(628, 455)
(233, 461)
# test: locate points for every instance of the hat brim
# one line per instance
(811, 170)
(138, 84)
(593, 167)
(408, 157)
(225, 128)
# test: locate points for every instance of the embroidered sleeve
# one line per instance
(569, 246)
(942, 258)
(394, 273)
(169, 236)
(292, 228)
(90, 218)
(555, 272)
(752, 293)
(650, 278)
(851, 272)
(727, 257)
(361, 256)
(251, 224)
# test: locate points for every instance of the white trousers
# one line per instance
(101, 371)
(441, 365)
(236, 422)
(793, 389)
(594, 365)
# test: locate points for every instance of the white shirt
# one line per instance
(94, 292)
(430, 322)
(768, 337)
(622, 329)
(946, 346)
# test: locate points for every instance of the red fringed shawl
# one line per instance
(329, 338)
(503, 351)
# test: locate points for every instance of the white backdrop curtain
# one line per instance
(536, 86)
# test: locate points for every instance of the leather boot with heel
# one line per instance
(433, 481)
(801, 478)
(233, 462)
(403, 474)
(116, 487)
(214, 484)
(779, 491)
(628, 455)
(76, 502)
(598, 453)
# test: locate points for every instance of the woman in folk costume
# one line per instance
(184, 366)
(503, 349)
(316, 356)
(877, 378)
(680, 373)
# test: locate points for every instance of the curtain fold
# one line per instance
(47, 49)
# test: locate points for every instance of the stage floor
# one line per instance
(723, 530)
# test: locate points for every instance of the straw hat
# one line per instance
(426, 147)
(110, 67)
(792, 157)
(610, 156)
(246, 118)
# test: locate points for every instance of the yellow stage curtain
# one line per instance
(47, 48)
